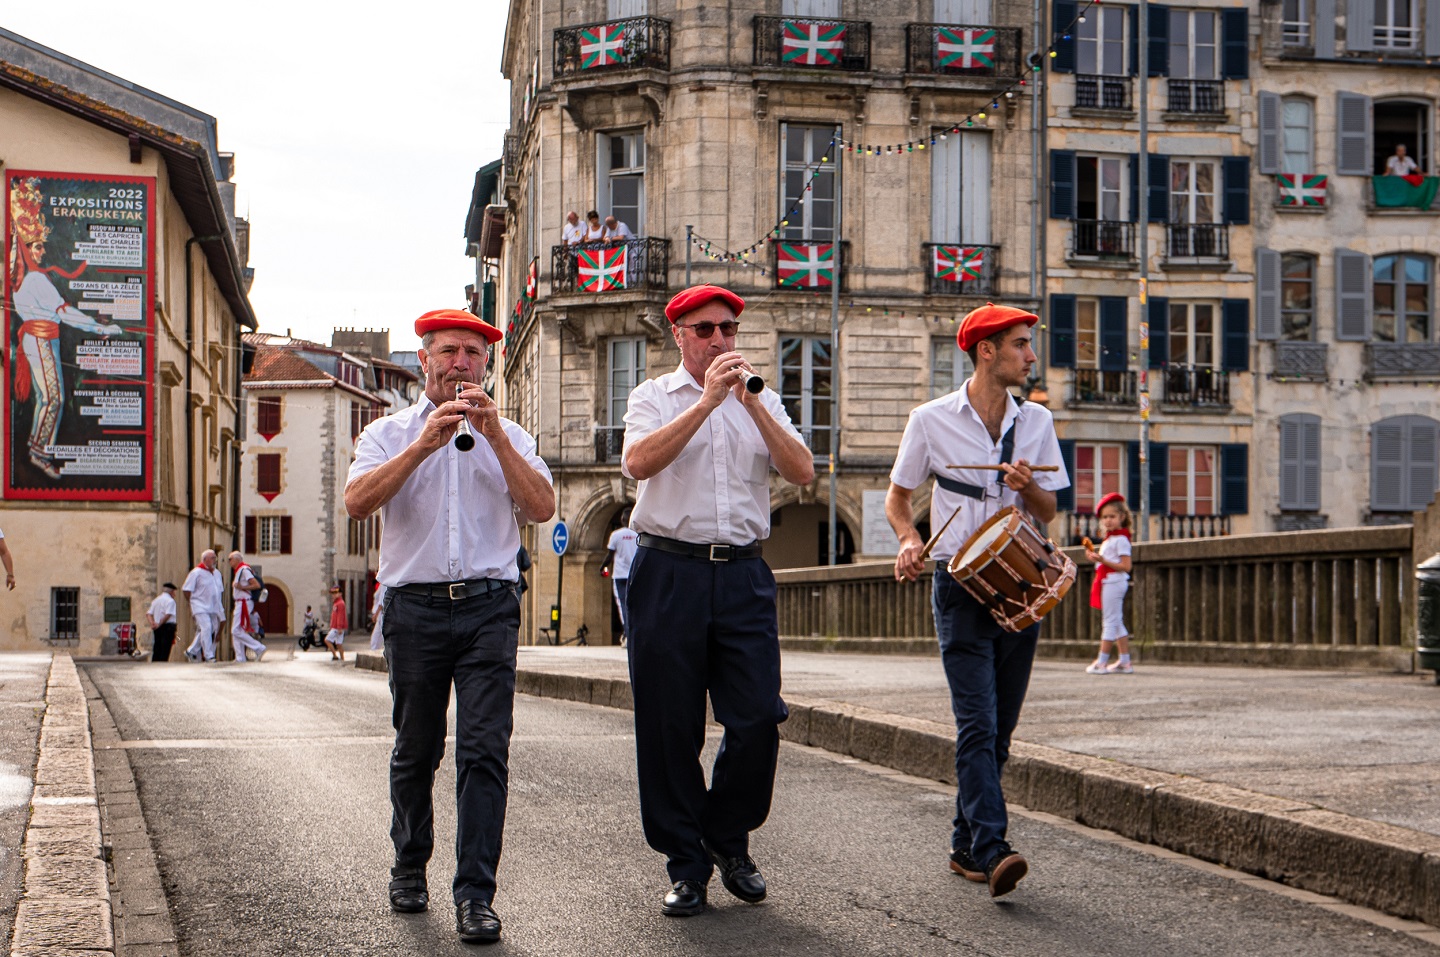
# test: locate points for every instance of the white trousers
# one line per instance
(242, 638)
(1112, 609)
(207, 626)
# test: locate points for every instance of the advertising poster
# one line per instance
(78, 318)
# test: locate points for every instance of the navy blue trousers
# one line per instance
(430, 644)
(989, 672)
(697, 626)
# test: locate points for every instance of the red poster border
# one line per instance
(146, 494)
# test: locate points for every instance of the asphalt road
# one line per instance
(22, 706)
(264, 789)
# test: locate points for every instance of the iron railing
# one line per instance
(1301, 360)
(810, 43)
(1103, 239)
(1402, 360)
(511, 156)
(1197, 241)
(1197, 97)
(647, 266)
(1103, 387)
(798, 275)
(1200, 386)
(640, 42)
(609, 443)
(951, 49)
(957, 269)
(1093, 92)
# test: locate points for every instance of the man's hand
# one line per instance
(723, 376)
(440, 425)
(10, 582)
(908, 563)
(483, 413)
(1017, 475)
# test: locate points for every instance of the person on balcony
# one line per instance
(573, 233)
(616, 231)
(594, 229)
(1400, 164)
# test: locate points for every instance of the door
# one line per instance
(274, 612)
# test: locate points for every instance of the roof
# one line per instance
(279, 367)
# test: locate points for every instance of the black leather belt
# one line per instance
(453, 591)
(714, 553)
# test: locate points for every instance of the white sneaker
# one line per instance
(260, 655)
(1120, 668)
(1096, 668)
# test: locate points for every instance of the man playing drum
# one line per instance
(987, 667)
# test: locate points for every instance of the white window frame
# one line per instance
(806, 402)
(1291, 129)
(1191, 193)
(626, 356)
(1388, 37)
(1183, 66)
(267, 534)
(1088, 42)
(1098, 472)
(1192, 337)
(949, 366)
(633, 150)
(1295, 23)
(1188, 474)
(1087, 326)
(1121, 192)
(816, 138)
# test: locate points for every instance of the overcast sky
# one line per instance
(356, 137)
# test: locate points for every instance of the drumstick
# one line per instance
(1001, 468)
(935, 539)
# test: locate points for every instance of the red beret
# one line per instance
(688, 300)
(1106, 500)
(988, 320)
(437, 319)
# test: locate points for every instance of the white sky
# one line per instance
(356, 131)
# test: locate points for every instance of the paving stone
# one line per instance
(64, 738)
(83, 925)
(76, 877)
(79, 842)
(146, 929)
(64, 815)
(70, 790)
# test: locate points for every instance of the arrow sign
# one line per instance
(560, 538)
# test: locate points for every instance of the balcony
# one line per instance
(1408, 360)
(1199, 99)
(1195, 387)
(1301, 360)
(1094, 92)
(511, 164)
(807, 265)
(1082, 525)
(609, 443)
(947, 49)
(807, 43)
(1103, 239)
(1115, 389)
(958, 270)
(637, 43)
(1173, 527)
(600, 268)
(1197, 243)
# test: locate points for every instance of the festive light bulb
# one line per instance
(980, 115)
(1082, 18)
(1052, 54)
(1009, 94)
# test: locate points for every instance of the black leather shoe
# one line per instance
(686, 899)
(963, 864)
(476, 923)
(1005, 870)
(408, 893)
(739, 875)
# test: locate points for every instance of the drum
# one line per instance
(1011, 570)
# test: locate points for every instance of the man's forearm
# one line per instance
(654, 453)
(793, 460)
(1039, 502)
(531, 493)
(900, 514)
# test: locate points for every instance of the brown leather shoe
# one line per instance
(1004, 871)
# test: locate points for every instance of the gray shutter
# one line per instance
(1290, 462)
(1269, 153)
(1310, 463)
(1353, 282)
(1422, 461)
(1432, 27)
(1360, 26)
(1387, 466)
(1352, 136)
(945, 191)
(1300, 462)
(1267, 294)
(1324, 29)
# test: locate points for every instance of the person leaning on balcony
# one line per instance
(1400, 164)
(616, 231)
(573, 232)
(594, 229)
(988, 669)
(700, 612)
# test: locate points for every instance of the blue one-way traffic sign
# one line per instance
(560, 538)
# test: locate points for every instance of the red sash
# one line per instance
(40, 329)
(1101, 570)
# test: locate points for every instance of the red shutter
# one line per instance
(250, 534)
(267, 416)
(267, 475)
(285, 535)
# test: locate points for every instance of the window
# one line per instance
(274, 534)
(1297, 297)
(1192, 480)
(1404, 463)
(627, 370)
(805, 388)
(1297, 115)
(620, 9)
(1295, 23)
(350, 373)
(1194, 44)
(361, 415)
(267, 474)
(64, 614)
(1395, 24)
(1100, 191)
(267, 416)
(810, 8)
(1097, 473)
(1300, 462)
(1400, 123)
(1192, 191)
(622, 180)
(1100, 42)
(1087, 334)
(1402, 297)
(801, 148)
(1192, 334)
(949, 367)
(960, 189)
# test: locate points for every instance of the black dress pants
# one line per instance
(164, 638)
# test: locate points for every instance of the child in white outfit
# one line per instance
(1112, 581)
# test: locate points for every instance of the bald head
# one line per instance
(208, 558)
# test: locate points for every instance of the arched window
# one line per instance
(1404, 463)
(1403, 298)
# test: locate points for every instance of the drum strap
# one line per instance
(1007, 451)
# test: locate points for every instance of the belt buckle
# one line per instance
(453, 595)
(716, 555)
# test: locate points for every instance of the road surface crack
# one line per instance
(929, 928)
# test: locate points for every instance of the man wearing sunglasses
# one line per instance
(702, 601)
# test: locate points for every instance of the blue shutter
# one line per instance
(1114, 334)
(1065, 497)
(1234, 479)
(1159, 62)
(1132, 484)
(1134, 188)
(1235, 327)
(1062, 332)
(1132, 18)
(1159, 479)
(1060, 23)
(1235, 175)
(1235, 60)
(1159, 187)
(1062, 184)
(1159, 319)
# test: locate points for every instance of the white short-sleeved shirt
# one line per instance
(717, 491)
(621, 231)
(453, 519)
(572, 233)
(948, 431)
(206, 590)
(623, 542)
(162, 609)
(1114, 548)
(1395, 166)
(243, 576)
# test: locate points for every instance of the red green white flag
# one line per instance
(958, 263)
(532, 280)
(806, 265)
(811, 43)
(1301, 189)
(601, 45)
(959, 49)
(602, 269)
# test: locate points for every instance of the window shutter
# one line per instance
(1062, 184)
(1432, 27)
(1310, 463)
(1267, 294)
(250, 537)
(1060, 24)
(1352, 135)
(1159, 479)
(1323, 29)
(1234, 479)
(1132, 483)
(1159, 319)
(1268, 161)
(1422, 464)
(1290, 466)
(1065, 497)
(1235, 329)
(1387, 466)
(1114, 334)
(1235, 28)
(1159, 187)
(1132, 21)
(285, 523)
(1134, 164)
(1235, 174)
(1159, 54)
(1062, 332)
(1360, 26)
(1354, 278)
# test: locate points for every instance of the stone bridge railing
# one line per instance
(1334, 598)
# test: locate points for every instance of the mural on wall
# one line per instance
(79, 297)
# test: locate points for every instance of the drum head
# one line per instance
(982, 540)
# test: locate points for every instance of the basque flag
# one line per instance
(1301, 189)
(959, 49)
(602, 269)
(958, 263)
(807, 43)
(808, 265)
(601, 45)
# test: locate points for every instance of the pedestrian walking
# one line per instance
(701, 600)
(1112, 580)
(339, 623)
(205, 591)
(621, 546)
(161, 619)
(452, 615)
(9, 563)
(988, 669)
(246, 621)
(377, 614)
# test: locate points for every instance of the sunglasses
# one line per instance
(704, 330)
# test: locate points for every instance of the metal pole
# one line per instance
(1143, 242)
(835, 347)
(689, 245)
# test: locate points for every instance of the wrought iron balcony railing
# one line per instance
(1402, 360)
(1196, 386)
(1197, 97)
(511, 156)
(1103, 387)
(609, 443)
(1301, 360)
(636, 264)
(1094, 92)
(956, 269)
(807, 265)
(640, 42)
(809, 43)
(1209, 241)
(950, 49)
(1103, 239)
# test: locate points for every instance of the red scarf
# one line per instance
(1101, 570)
(245, 601)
